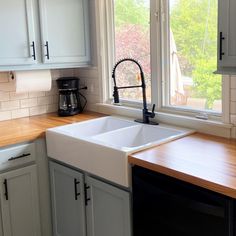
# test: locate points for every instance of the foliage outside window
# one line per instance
(192, 49)
(132, 40)
(194, 27)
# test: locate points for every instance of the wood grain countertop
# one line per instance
(203, 160)
(31, 128)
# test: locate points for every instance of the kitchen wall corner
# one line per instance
(89, 77)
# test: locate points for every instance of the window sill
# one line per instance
(204, 126)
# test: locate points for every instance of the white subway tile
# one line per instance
(91, 73)
(233, 133)
(30, 102)
(92, 87)
(36, 94)
(233, 119)
(20, 113)
(4, 77)
(233, 82)
(38, 110)
(45, 100)
(17, 96)
(233, 95)
(5, 115)
(10, 105)
(55, 99)
(233, 107)
(54, 83)
(52, 108)
(91, 98)
(4, 96)
(67, 72)
(7, 87)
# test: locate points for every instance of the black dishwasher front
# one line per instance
(165, 206)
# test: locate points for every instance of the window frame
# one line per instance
(158, 19)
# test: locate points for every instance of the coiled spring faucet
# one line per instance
(146, 113)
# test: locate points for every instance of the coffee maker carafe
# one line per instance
(69, 96)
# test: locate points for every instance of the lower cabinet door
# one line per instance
(108, 209)
(19, 202)
(67, 195)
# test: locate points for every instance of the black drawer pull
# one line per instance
(18, 157)
(86, 194)
(76, 188)
(6, 189)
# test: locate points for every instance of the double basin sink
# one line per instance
(101, 146)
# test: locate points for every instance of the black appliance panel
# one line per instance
(164, 206)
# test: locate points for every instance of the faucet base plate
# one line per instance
(149, 123)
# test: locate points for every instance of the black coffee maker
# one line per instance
(69, 96)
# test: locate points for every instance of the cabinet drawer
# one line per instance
(18, 155)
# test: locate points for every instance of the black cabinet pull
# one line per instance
(86, 194)
(221, 53)
(47, 49)
(6, 189)
(76, 188)
(34, 54)
(18, 157)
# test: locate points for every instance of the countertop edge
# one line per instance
(184, 177)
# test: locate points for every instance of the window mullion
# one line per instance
(155, 25)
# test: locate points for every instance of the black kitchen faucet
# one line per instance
(146, 113)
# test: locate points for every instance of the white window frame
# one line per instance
(166, 107)
(157, 17)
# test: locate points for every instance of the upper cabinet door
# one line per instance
(227, 34)
(17, 40)
(65, 31)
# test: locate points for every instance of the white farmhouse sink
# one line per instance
(101, 146)
(136, 137)
(93, 127)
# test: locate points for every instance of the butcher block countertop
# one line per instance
(31, 128)
(203, 160)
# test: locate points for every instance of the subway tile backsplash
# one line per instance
(13, 105)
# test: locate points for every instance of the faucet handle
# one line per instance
(153, 108)
(152, 114)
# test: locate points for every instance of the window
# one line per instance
(192, 55)
(132, 40)
(176, 41)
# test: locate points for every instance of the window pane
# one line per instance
(132, 39)
(193, 54)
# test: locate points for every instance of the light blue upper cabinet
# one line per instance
(17, 40)
(65, 31)
(227, 37)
